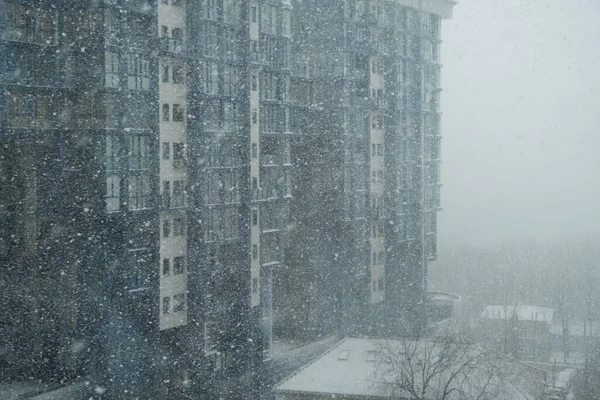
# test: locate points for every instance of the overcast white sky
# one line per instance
(521, 121)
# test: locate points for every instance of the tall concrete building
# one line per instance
(186, 181)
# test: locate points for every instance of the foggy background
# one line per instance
(520, 124)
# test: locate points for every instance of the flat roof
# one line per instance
(357, 367)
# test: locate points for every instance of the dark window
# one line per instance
(254, 251)
(178, 193)
(178, 155)
(254, 150)
(166, 196)
(177, 113)
(166, 228)
(179, 302)
(178, 265)
(254, 217)
(166, 305)
(165, 112)
(166, 266)
(165, 73)
(139, 192)
(178, 227)
(178, 75)
(253, 13)
(166, 151)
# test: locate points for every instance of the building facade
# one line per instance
(186, 181)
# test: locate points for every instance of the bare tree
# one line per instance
(443, 368)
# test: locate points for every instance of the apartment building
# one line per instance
(365, 89)
(186, 181)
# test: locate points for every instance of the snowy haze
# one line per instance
(521, 121)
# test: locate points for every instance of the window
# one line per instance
(27, 25)
(166, 227)
(230, 11)
(254, 285)
(178, 227)
(177, 113)
(229, 116)
(254, 78)
(209, 9)
(179, 194)
(166, 150)
(287, 183)
(165, 73)
(230, 80)
(139, 152)
(254, 251)
(15, 22)
(166, 267)
(254, 150)
(179, 303)
(285, 23)
(113, 189)
(178, 154)
(254, 116)
(253, 13)
(231, 223)
(211, 78)
(166, 305)
(254, 217)
(139, 192)
(178, 265)
(166, 195)
(166, 112)
(178, 73)
(177, 37)
(380, 284)
(111, 70)
(138, 72)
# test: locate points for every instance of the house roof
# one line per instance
(354, 368)
(521, 312)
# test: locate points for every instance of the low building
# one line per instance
(360, 369)
(522, 331)
(444, 311)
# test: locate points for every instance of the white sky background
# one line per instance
(521, 121)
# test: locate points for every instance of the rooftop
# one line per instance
(356, 367)
(521, 312)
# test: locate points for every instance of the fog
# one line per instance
(520, 125)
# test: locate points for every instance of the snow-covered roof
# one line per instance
(521, 312)
(354, 368)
